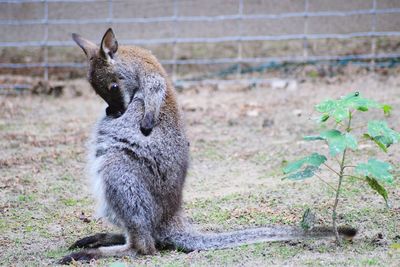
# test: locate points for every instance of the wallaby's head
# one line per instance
(104, 72)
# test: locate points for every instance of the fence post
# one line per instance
(240, 34)
(305, 39)
(110, 12)
(373, 40)
(175, 46)
(45, 41)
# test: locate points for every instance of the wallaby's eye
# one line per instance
(114, 87)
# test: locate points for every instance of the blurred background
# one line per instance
(200, 41)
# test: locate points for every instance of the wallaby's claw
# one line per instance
(83, 255)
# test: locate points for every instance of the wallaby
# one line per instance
(138, 161)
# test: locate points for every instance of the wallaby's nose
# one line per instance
(146, 131)
(147, 123)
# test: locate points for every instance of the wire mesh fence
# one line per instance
(196, 37)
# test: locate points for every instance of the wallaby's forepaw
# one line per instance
(99, 240)
(84, 255)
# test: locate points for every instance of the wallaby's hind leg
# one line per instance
(99, 240)
(87, 255)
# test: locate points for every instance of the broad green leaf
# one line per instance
(340, 113)
(376, 169)
(338, 141)
(339, 109)
(373, 183)
(356, 101)
(307, 172)
(314, 159)
(351, 141)
(380, 131)
(304, 167)
(326, 106)
(379, 143)
(334, 109)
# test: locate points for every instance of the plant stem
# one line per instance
(322, 180)
(330, 168)
(341, 175)
(334, 214)
(349, 166)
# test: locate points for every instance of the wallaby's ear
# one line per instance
(109, 44)
(87, 46)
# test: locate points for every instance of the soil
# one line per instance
(240, 138)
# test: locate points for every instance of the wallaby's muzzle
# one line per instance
(147, 124)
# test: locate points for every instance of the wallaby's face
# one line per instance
(103, 73)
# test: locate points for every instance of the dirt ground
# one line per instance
(240, 139)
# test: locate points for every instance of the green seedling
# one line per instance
(340, 138)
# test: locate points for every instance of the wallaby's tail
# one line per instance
(190, 240)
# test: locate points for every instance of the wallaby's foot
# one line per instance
(83, 255)
(145, 245)
(99, 240)
(148, 249)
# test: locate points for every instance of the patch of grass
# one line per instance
(285, 252)
(17, 241)
(29, 228)
(211, 153)
(26, 198)
(352, 191)
(324, 248)
(313, 262)
(60, 160)
(209, 150)
(371, 262)
(3, 225)
(69, 202)
(237, 209)
(208, 211)
(313, 74)
(8, 127)
(55, 253)
(260, 158)
(67, 177)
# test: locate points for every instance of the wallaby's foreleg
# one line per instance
(99, 240)
(153, 91)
